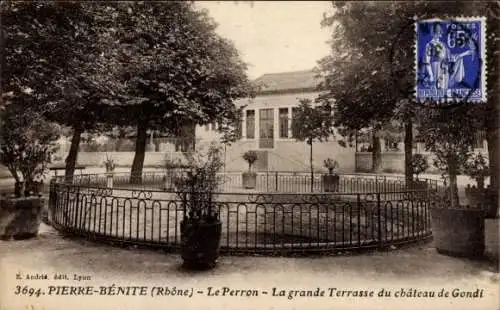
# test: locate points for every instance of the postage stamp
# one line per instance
(451, 60)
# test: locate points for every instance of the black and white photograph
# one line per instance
(249, 155)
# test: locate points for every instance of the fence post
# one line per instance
(52, 200)
(379, 220)
(78, 211)
(267, 181)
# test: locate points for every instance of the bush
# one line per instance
(477, 168)
(330, 164)
(250, 157)
(201, 182)
(27, 143)
(419, 164)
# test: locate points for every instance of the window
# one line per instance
(266, 125)
(184, 144)
(283, 122)
(294, 113)
(250, 124)
(207, 127)
(214, 126)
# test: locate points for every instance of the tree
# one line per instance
(311, 124)
(365, 42)
(27, 141)
(174, 69)
(53, 50)
(449, 135)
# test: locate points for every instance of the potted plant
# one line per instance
(27, 143)
(457, 229)
(419, 164)
(331, 180)
(109, 163)
(250, 177)
(200, 227)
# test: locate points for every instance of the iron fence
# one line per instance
(288, 182)
(251, 222)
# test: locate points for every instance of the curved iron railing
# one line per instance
(252, 222)
(266, 182)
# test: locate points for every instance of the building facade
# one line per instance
(266, 128)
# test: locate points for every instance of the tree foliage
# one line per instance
(312, 123)
(27, 142)
(173, 65)
(449, 135)
(372, 54)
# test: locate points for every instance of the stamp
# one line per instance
(450, 60)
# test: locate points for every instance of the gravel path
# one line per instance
(418, 267)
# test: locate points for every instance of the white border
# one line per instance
(482, 47)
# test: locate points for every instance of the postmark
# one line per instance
(450, 60)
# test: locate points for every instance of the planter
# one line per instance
(419, 185)
(249, 180)
(476, 196)
(20, 218)
(19, 189)
(34, 188)
(482, 198)
(458, 232)
(331, 182)
(200, 242)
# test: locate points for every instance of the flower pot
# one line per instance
(34, 188)
(200, 242)
(419, 185)
(249, 180)
(482, 198)
(19, 189)
(476, 196)
(331, 182)
(458, 232)
(20, 218)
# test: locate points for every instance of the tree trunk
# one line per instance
(408, 151)
(118, 144)
(492, 126)
(376, 153)
(73, 153)
(140, 153)
(225, 154)
(492, 136)
(453, 189)
(311, 164)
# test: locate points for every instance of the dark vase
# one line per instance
(19, 189)
(419, 185)
(200, 243)
(482, 198)
(458, 232)
(34, 188)
(249, 180)
(331, 182)
(20, 218)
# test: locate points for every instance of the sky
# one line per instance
(273, 36)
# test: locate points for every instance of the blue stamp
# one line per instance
(450, 60)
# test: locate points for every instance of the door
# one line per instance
(266, 131)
